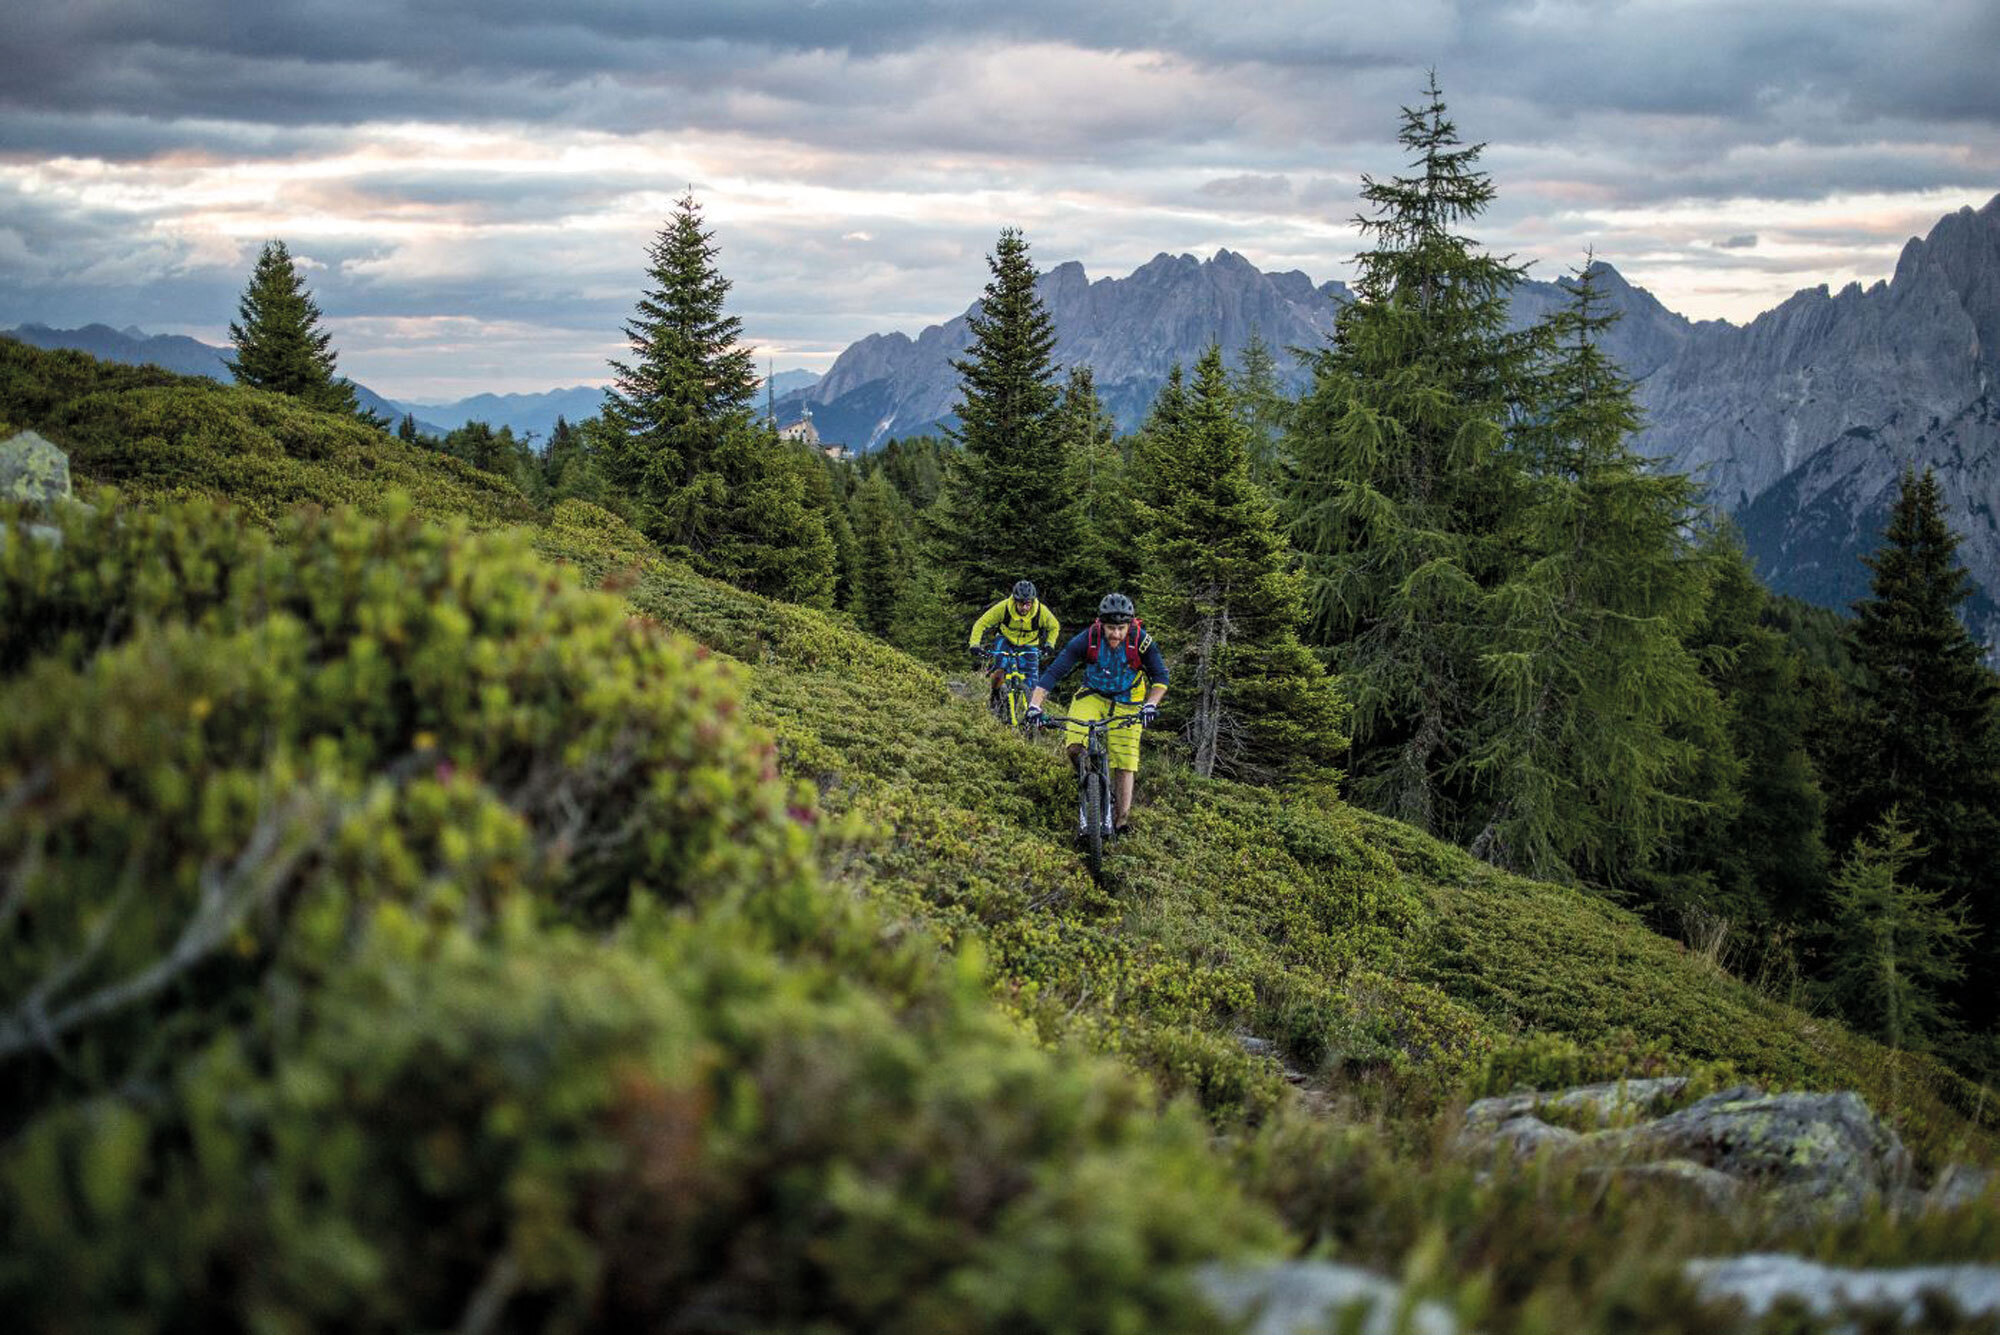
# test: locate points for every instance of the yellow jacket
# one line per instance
(1040, 625)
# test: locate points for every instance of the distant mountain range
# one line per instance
(1798, 423)
(173, 352)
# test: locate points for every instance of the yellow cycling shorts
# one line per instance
(1122, 741)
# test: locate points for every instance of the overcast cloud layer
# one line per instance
(473, 184)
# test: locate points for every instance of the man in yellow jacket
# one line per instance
(1025, 626)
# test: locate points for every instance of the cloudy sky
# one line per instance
(472, 183)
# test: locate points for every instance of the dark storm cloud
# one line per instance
(911, 127)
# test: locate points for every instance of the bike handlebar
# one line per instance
(1108, 721)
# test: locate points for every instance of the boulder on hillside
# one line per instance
(33, 470)
(36, 473)
(1818, 1151)
(1906, 1296)
(1294, 1296)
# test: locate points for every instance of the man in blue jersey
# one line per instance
(1123, 674)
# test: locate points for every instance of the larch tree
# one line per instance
(1400, 481)
(280, 345)
(1897, 947)
(1003, 515)
(1218, 588)
(1589, 690)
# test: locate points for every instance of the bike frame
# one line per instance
(1094, 781)
(1012, 708)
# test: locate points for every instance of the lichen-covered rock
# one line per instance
(1817, 1151)
(1609, 1104)
(1830, 1148)
(1696, 1182)
(1296, 1296)
(33, 470)
(1761, 1282)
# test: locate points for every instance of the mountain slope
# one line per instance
(172, 352)
(1131, 331)
(1802, 421)
(632, 952)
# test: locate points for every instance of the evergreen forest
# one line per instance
(482, 883)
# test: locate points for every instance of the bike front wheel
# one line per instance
(1093, 819)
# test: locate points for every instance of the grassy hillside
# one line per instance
(414, 921)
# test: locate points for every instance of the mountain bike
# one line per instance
(1010, 704)
(1093, 780)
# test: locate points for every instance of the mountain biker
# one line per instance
(1121, 667)
(1026, 627)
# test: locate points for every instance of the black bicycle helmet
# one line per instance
(1115, 607)
(1025, 590)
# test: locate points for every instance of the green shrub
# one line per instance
(358, 711)
(160, 436)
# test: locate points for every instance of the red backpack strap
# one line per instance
(1090, 638)
(1134, 657)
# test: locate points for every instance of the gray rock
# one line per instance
(1303, 1297)
(39, 532)
(1958, 1186)
(1813, 1152)
(1700, 1184)
(1761, 1282)
(1825, 1148)
(33, 470)
(1608, 1104)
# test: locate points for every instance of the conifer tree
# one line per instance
(683, 456)
(881, 553)
(1003, 514)
(1106, 553)
(1582, 752)
(1897, 946)
(1265, 409)
(1261, 706)
(1400, 482)
(1927, 707)
(1760, 843)
(279, 343)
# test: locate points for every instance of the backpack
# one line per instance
(1134, 653)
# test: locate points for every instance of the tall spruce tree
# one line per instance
(882, 565)
(279, 343)
(1004, 515)
(682, 454)
(1760, 842)
(1582, 751)
(1401, 481)
(1927, 707)
(1259, 704)
(1106, 553)
(1264, 407)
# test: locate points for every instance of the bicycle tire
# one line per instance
(1017, 707)
(1093, 823)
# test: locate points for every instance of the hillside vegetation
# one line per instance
(425, 912)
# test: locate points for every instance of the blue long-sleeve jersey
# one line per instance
(1112, 675)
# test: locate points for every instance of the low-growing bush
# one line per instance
(355, 712)
(162, 437)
